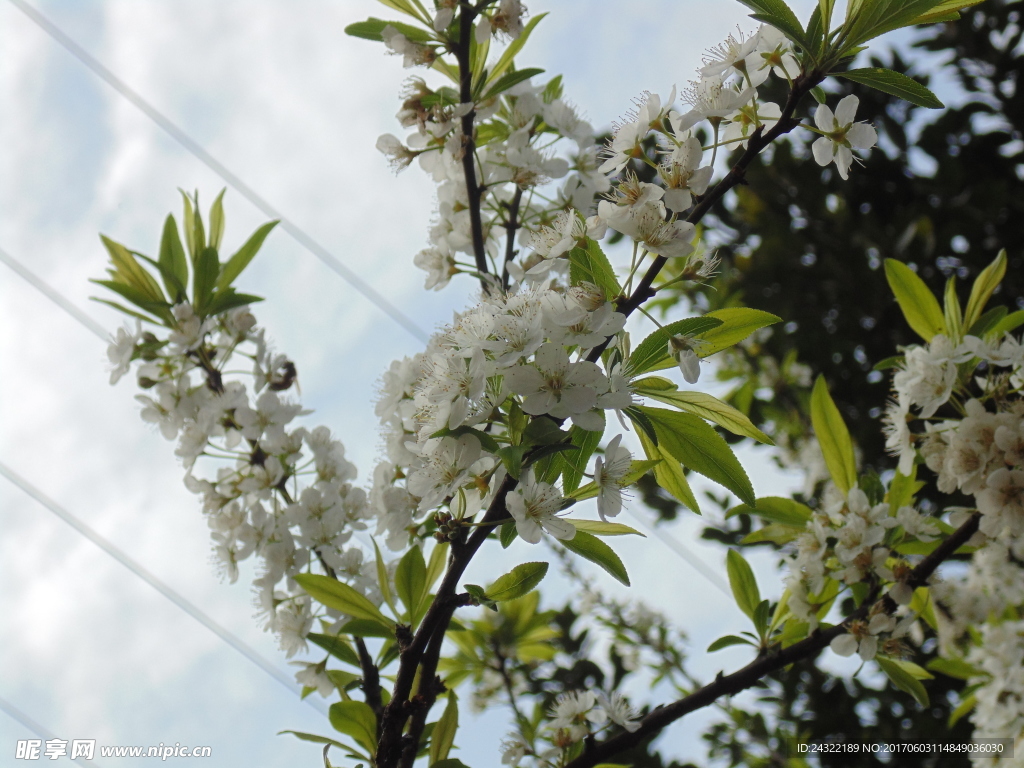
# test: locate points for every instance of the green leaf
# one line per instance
(356, 719)
(382, 578)
(443, 736)
(122, 308)
(590, 265)
(742, 582)
(506, 58)
(903, 680)
(228, 299)
(575, 462)
(372, 28)
(512, 457)
(779, 15)
(411, 581)
(1010, 323)
(654, 384)
(963, 708)
(341, 597)
(951, 311)
(641, 422)
(507, 81)
(336, 646)
(314, 738)
(637, 469)
(129, 272)
(888, 363)
(486, 441)
(601, 528)
(233, 267)
(437, 562)
(983, 326)
(737, 324)
(834, 437)
(217, 221)
(825, 8)
(172, 259)
(728, 640)
(920, 308)
(777, 533)
(189, 222)
(711, 408)
(451, 762)
(651, 354)
(956, 668)
(543, 431)
(697, 446)
(507, 534)
(984, 286)
(895, 84)
(776, 509)
(668, 473)
(519, 581)
(161, 309)
(596, 551)
(902, 489)
(204, 277)
(175, 289)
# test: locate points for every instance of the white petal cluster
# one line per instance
(847, 542)
(535, 138)
(281, 492)
(441, 409)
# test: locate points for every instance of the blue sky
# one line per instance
(277, 93)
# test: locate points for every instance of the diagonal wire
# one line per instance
(695, 561)
(41, 286)
(136, 568)
(217, 167)
(16, 714)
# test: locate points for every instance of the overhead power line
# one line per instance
(165, 590)
(16, 714)
(176, 133)
(681, 550)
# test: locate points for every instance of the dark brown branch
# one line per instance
(371, 678)
(511, 226)
(773, 660)
(435, 623)
(474, 191)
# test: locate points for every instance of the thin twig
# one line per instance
(511, 227)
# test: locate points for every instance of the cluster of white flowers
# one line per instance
(282, 492)
(442, 409)
(847, 542)
(980, 454)
(999, 711)
(521, 131)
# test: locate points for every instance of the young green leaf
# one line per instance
(728, 640)
(517, 582)
(356, 719)
(834, 437)
(596, 551)
(506, 58)
(233, 267)
(776, 509)
(903, 679)
(411, 580)
(204, 275)
(443, 736)
(575, 462)
(601, 528)
(668, 473)
(217, 221)
(372, 28)
(383, 580)
(696, 445)
(341, 597)
(711, 408)
(507, 534)
(984, 285)
(920, 307)
(172, 258)
(592, 266)
(737, 324)
(336, 646)
(742, 582)
(1008, 324)
(963, 708)
(507, 81)
(651, 354)
(436, 563)
(894, 84)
